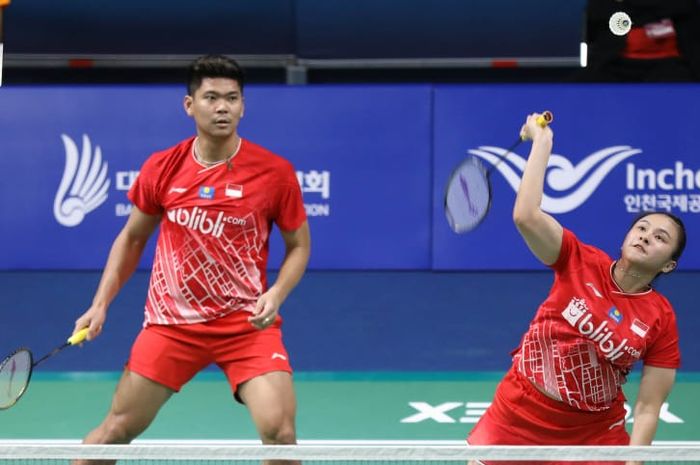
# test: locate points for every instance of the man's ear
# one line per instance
(187, 104)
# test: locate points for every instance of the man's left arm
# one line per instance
(297, 251)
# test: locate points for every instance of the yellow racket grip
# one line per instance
(78, 337)
(545, 118)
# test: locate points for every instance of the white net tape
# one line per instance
(366, 453)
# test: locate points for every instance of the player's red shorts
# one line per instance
(172, 354)
(522, 415)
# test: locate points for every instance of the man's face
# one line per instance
(216, 106)
(650, 243)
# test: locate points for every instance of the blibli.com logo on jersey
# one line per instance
(578, 316)
(199, 220)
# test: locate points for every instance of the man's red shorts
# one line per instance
(172, 354)
(522, 415)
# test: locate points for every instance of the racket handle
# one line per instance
(78, 337)
(545, 118)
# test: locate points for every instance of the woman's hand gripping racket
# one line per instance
(468, 191)
(16, 370)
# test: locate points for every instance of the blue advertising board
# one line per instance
(618, 151)
(372, 162)
(362, 156)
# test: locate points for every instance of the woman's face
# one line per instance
(650, 243)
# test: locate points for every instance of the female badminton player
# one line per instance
(600, 318)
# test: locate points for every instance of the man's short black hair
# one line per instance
(213, 66)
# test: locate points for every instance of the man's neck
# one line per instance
(210, 151)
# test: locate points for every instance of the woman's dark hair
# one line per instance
(212, 66)
(680, 245)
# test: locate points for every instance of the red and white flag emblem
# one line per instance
(234, 190)
(639, 328)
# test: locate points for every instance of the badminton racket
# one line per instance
(16, 370)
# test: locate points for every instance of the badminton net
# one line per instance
(50, 454)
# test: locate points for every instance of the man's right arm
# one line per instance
(122, 262)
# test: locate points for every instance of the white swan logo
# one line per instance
(84, 184)
(562, 175)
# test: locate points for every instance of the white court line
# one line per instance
(308, 442)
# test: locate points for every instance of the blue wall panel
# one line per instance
(369, 147)
(374, 144)
(333, 321)
(387, 151)
(618, 150)
(372, 162)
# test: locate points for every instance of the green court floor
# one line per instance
(332, 406)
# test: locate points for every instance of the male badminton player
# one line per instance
(600, 317)
(215, 197)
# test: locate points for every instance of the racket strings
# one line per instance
(465, 190)
(468, 196)
(15, 372)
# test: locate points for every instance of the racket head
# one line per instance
(467, 195)
(15, 373)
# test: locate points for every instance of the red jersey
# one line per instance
(588, 333)
(212, 248)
